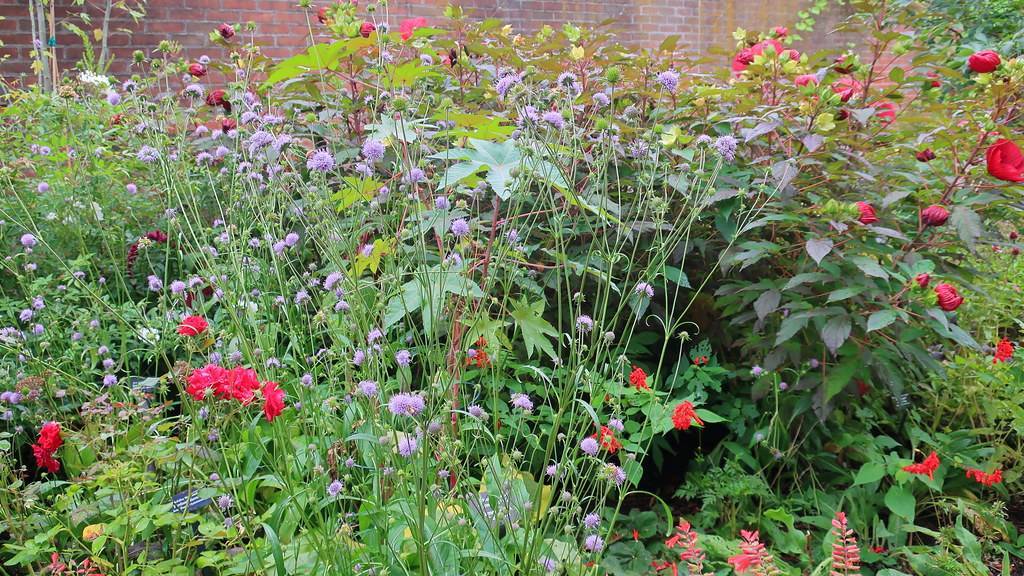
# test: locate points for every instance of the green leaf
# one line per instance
(881, 319)
(870, 267)
(967, 223)
(840, 376)
(835, 332)
(536, 330)
(869, 472)
(499, 159)
(677, 276)
(789, 327)
(818, 248)
(709, 417)
(901, 502)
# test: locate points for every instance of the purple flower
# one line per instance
(331, 280)
(291, 239)
(373, 151)
(601, 99)
(28, 240)
(552, 470)
(374, 335)
(756, 371)
(521, 401)
(334, 488)
(460, 228)
(592, 520)
(669, 80)
(584, 323)
(113, 98)
(194, 91)
(589, 446)
(442, 203)
(726, 147)
(414, 176)
(109, 380)
(615, 474)
(368, 388)
(593, 543)
(155, 283)
(407, 445)
(505, 83)
(320, 161)
(477, 412)
(43, 188)
(554, 119)
(406, 404)
(132, 189)
(358, 357)
(616, 424)
(403, 357)
(259, 140)
(548, 564)
(148, 154)
(644, 289)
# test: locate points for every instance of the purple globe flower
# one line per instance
(669, 80)
(406, 404)
(373, 151)
(320, 161)
(593, 543)
(407, 445)
(368, 388)
(522, 401)
(589, 446)
(592, 520)
(334, 488)
(148, 154)
(726, 147)
(460, 228)
(28, 241)
(477, 412)
(644, 289)
(43, 188)
(554, 119)
(403, 357)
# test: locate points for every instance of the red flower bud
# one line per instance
(925, 155)
(867, 213)
(781, 31)
(366, 29)
(934, 215)
(226, 31)
(923, 279)
(1013, 235)
(216, 98)
(948, 298)
(984, 61)
(196, 69)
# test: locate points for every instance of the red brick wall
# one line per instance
(282, 26)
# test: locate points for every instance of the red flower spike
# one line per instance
(926, 467)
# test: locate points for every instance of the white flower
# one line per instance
(93, 79)
(149, 335)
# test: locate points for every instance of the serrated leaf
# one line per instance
(818, 248)
(835, 332)
(881, 319)
(767, 303)
(967, 223)
(535, 329)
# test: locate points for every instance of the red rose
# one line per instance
(923, 279)
(193, 326)
(984, 61)
(204, 379)
(366, 28)
(1005, 161)
(934, 215)
(196, 69)
(948, 298)
(746, 56)
(273, 400)
(806, 79)
(409, 25)
(867, 213)
(925, 155)
(226, 31)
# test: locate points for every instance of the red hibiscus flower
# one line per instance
(984, 478)
(806, 79)
(196, 69)
(886, 111)
(1004, 351)
(273, 400)
(216, 98)
(867, 213)
(925, 155)
(409, 25)
(638, 378)
(926, 467)
(934, 215)
(685, 416)
(1005, 161)
(948, 298)
(923, 279)
(847, 88)
(226, 31)
(366, 28)
(193, 326)
(984, 61)
(746, 56)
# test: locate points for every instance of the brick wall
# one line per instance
(701, 24)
